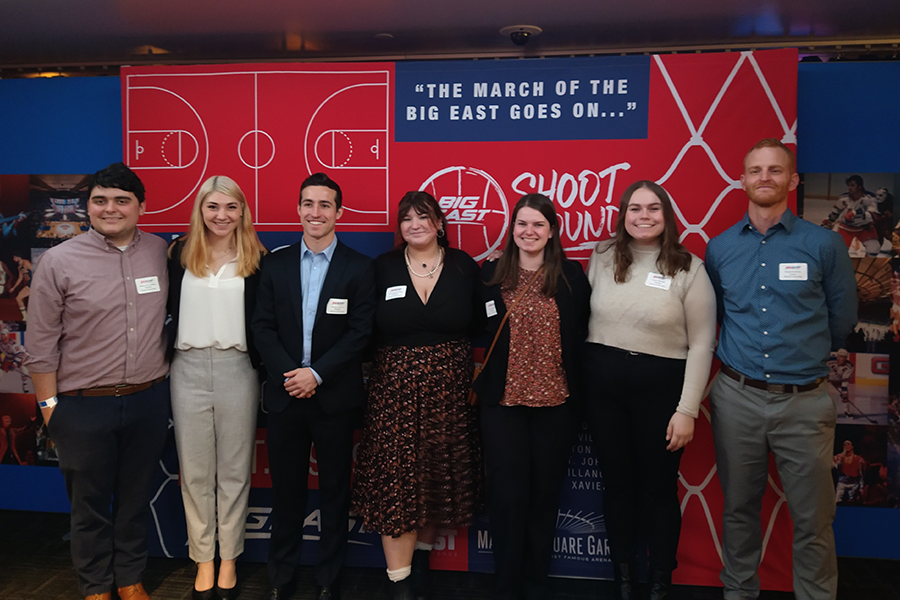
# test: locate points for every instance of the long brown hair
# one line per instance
(673, 257)
(195, 255)
(507, 272)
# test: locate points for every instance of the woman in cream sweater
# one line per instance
(651, 337)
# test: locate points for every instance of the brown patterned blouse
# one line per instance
(535, 375)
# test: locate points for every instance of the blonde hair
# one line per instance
(195, 254)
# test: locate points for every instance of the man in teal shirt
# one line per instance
(786, 297)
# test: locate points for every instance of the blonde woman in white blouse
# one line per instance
(213, 272)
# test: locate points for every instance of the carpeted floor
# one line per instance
(35, 565)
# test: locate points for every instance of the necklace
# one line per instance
(430, 273)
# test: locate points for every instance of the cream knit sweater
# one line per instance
(640, 316)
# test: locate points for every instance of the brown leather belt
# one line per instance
(772, 388)
(123, 389)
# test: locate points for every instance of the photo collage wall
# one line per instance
(36, 213)
(860, 207)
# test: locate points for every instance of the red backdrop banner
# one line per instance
(270, 125)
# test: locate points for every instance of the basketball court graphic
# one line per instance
(268, 128)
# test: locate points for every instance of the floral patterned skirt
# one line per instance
(419, 462)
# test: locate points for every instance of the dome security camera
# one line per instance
(520, 34)
(519, 38)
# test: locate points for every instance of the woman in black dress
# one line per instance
(419, 463)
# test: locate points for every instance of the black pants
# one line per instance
(109, 450)
(290, 435)
(526, 453)
(630, 399)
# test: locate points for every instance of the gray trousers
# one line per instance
(799, 430)
(215, 397)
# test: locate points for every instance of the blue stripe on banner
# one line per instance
(600, 98)
(35, 488)
(60, 125)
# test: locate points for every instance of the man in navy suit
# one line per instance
(313, 320)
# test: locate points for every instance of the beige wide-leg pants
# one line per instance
(215, 397)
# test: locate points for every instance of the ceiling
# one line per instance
(87, 36)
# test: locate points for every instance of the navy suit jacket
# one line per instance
(338, 341)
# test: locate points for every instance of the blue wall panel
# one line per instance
(848, 117)
(60, 125)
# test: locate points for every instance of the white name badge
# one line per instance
(147, 285)
(656, 280)
(490, 308)
(792, 272)
(336, 306)
(394, 292)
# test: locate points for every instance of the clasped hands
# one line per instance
(300, 383)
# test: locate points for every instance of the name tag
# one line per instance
(147, 285)
(336, 306)
(490, 308)
(656, 280)
(394, 292)
(792, 272)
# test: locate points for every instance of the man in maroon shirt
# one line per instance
(96, 351)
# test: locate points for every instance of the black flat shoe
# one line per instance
(401, 590)
(420, 577)
(226, 593)
(204, 595)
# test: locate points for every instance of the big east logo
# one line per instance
(463, 209)
(475, 207)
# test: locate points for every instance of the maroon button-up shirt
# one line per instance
(96, 314)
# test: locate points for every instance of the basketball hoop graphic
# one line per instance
(475, 206)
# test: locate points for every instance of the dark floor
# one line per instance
(35, 565)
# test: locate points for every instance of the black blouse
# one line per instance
(401, 319)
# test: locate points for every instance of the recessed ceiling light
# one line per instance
(148, 49)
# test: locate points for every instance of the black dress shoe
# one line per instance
(625, 575)
(328, 593)
(279, 593)
(204, 595)
(660, 584)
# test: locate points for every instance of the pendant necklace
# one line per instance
(430, 273)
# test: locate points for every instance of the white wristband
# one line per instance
(48, 403)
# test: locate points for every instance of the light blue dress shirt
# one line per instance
(313, 269)
(786, 298)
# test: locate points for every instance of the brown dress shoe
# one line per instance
(103, 596)
(133, 592)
